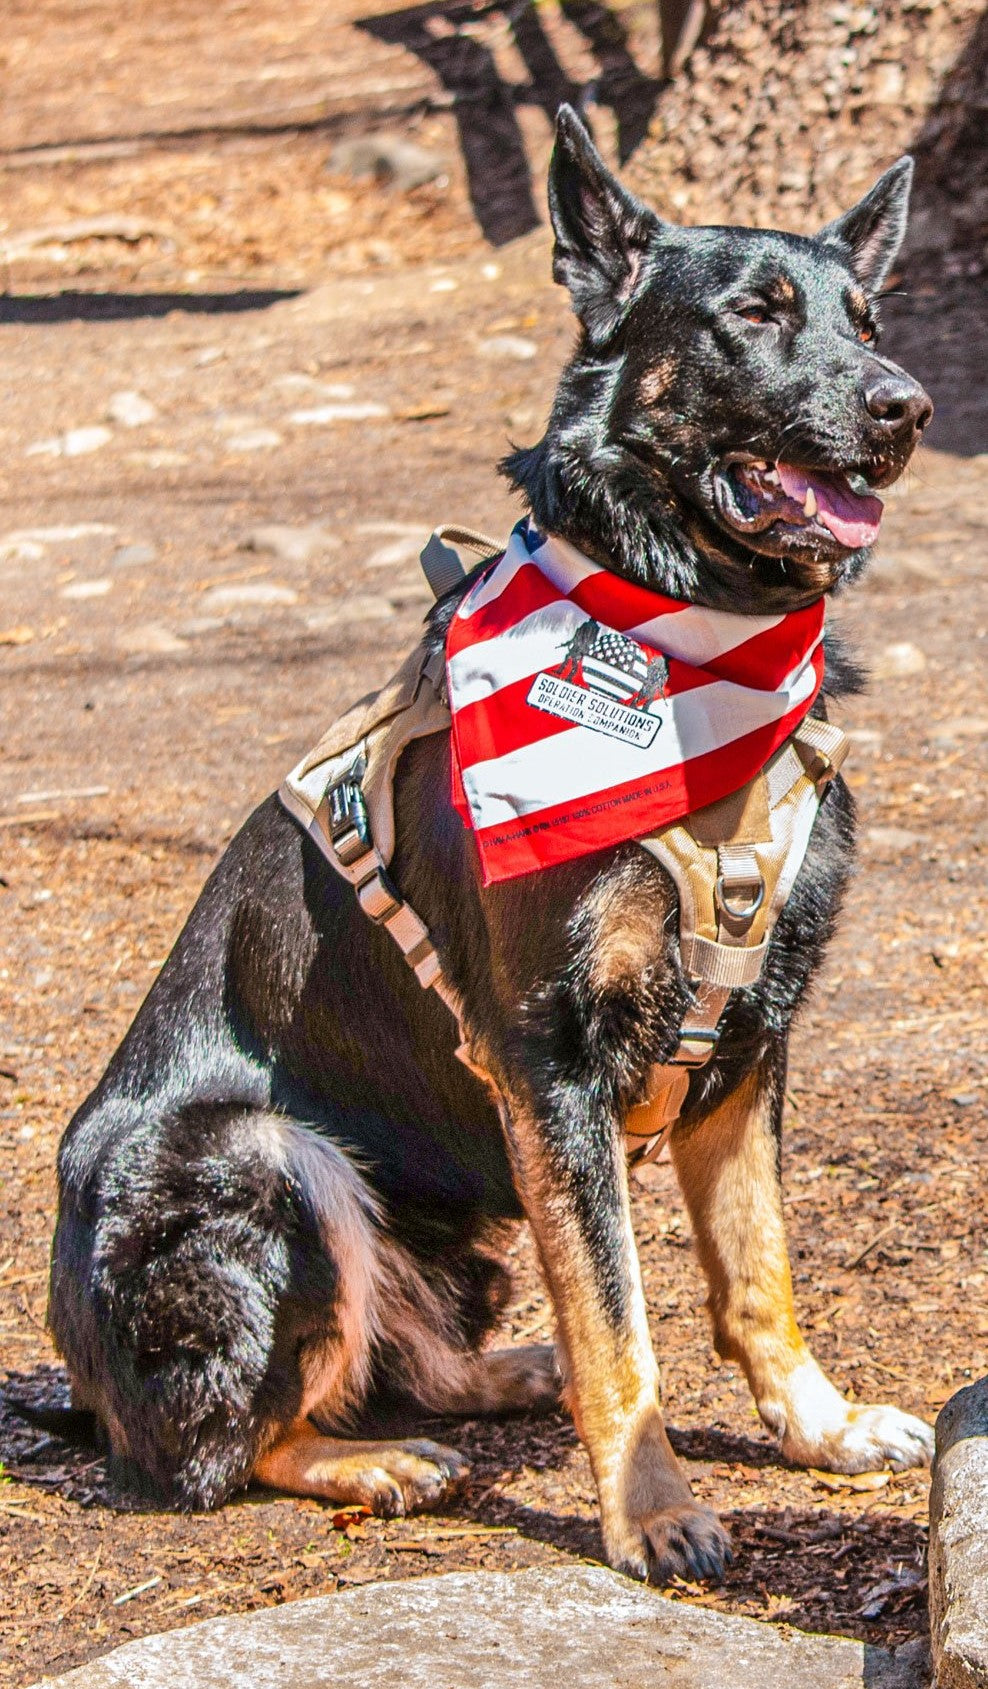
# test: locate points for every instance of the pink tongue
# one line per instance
(853, 518)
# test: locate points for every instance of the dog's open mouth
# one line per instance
(753, 496)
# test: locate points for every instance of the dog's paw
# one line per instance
(817, 1427)
(684, 1541)
(412, 1477)
(389, 1478)
(524, 1380)
(873, 1437)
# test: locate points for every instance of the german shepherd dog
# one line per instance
(286, 1198)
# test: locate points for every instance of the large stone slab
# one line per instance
(959, 1542)
(583, 1628)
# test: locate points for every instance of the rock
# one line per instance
(87, 589)
(80, 441)
(131, 410)
(898, 660)
(357, 607)
(57, 535)
(248, 595)
(297, 382)
(75, 443)
(396, 528)
(866, 740)
(254, 440)
(135, 556)
(959, 1541)
(961, 727)
(508, 346)
(164, 458)
(319, 414)
(290, 545)
(495, 1630)
(893, 838)
(196, 626)
(388, 158)
(396, 552)
(149, 639)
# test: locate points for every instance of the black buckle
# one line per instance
(349, 824)
(696, 1035)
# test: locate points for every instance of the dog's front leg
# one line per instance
(569, 1166)
(729, 1172)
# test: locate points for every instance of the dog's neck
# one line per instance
(613, 511)
(644, 544)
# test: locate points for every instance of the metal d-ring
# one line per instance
(750, 909)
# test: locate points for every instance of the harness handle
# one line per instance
(440, 558)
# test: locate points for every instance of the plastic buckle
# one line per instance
(377, 897)
(709, 1037)
(349, 825)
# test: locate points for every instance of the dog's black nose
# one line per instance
(898, 402)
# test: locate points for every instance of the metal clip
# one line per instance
(731, 909)
(349, 825)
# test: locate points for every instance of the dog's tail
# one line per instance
(72, 1425)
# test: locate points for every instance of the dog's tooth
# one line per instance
(810, 505)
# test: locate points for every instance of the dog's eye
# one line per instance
(757, 314)
(867, 334)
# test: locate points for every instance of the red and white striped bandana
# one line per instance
(588, 710)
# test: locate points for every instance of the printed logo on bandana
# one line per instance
(606, 682)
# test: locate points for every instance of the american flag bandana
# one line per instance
(588, 710)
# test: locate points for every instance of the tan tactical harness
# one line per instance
(734, 862)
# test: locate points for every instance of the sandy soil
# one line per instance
(158, 677)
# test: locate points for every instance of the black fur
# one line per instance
(191, 1262)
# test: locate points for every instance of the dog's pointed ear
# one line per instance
(602, 232)
(873, 229)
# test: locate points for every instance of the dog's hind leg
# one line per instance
(230, 1282)
(728, 1167)
(522, 1380)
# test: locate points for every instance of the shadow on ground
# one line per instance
(114, 307)
(801, 1554)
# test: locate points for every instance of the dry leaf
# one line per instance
(16, 636)
(861, 1481)
(348, 1517)
(422, 413)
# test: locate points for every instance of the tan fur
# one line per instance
(728, 1172)
(657, 380)
(728, 1169)
(612, 1382)
(336, 1368)
(626, 924)
(509, 1381)
(385, 1302)
(389, 1478)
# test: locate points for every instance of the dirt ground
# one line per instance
(318, 351)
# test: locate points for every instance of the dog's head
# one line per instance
(727, 416)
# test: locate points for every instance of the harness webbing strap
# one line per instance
(731, 893)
